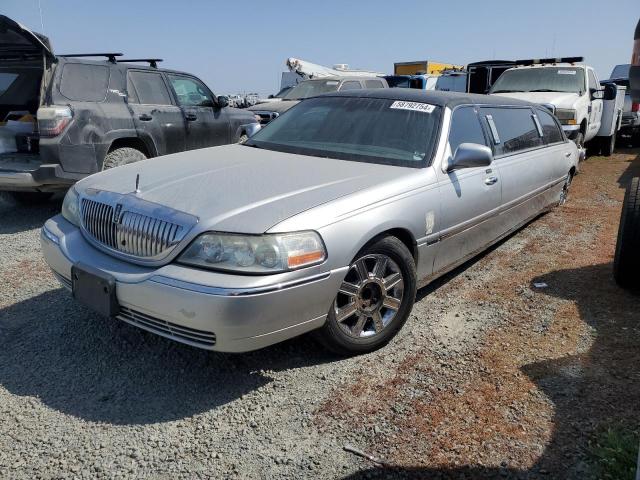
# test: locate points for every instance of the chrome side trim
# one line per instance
(237, 292)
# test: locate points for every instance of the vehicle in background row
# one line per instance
(327, 220)
(265, 112)
(630, 127)
(419, 82)
(92, 115)
(571, 91)
(452, 81)
(423, 67)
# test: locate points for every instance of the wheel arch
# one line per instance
(402, 234)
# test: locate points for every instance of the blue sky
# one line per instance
(241, 46)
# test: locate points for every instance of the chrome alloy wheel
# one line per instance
(370, 296)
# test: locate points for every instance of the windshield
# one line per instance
(311, 88)
(360, 129)
(547, 79)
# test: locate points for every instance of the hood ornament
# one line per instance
(137, 184)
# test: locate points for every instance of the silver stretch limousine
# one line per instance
(328, 219)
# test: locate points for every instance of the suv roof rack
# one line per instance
(153, 62)
(539, 61)
(110, 56)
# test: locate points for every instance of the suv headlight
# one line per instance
(257, 254)
(71, 207)
(566, 116)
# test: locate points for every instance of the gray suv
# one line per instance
(91, 115)
(265, 112)
(630, 126)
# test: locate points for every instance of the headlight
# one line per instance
(71, 207)
(269, 253)
(566, 116)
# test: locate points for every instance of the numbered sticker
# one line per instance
(414, 106)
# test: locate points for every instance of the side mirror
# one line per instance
(207, 103)
(223, 101)
(470, 155)
(596, 93)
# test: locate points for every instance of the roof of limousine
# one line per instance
(439, 98)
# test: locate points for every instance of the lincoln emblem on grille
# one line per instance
(116, 213)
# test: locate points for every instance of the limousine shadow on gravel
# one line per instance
(591, 392)
(104, 370)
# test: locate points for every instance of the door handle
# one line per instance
(567, 154)
(145, 117)
(490, 180)
(191, 117)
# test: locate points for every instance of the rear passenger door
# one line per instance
(156, 118)
(524, 162)
(470, 197)
(207, 124)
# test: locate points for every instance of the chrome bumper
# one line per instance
(245, 314)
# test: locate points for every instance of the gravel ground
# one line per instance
(463, 392)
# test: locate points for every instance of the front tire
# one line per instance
(626, 264)
(122, 156)
(374, 300)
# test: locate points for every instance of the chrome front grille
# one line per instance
(132, 226)
(191, 336)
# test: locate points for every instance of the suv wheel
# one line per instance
(373, 301)
(31, 198)
(626, 264)
(122, 156)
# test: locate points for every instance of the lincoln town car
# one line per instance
(327, 220)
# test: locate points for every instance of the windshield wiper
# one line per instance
(543, 90)
(506, 91)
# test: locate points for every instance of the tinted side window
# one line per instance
(373, 84)
(550, 128)
(84, 83)
(465, 128)
(350, 85)
(150, 88)
(515, 128)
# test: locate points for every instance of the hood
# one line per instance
(559, 99)
(236, 188)
(279, 106)
(16, 39)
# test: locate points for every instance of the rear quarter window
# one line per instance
(84, 83)
(373, 84)
(515, 128)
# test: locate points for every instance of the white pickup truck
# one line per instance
(573, 93)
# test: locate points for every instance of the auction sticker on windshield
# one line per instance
(415, 106)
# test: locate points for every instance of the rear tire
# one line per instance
(380, 290)
(31, 198)
(626, 264)
(122, 156)
(608, 145)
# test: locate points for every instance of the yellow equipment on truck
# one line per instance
(423, 67)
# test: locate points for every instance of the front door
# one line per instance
(207, 124)
(157, 120)
(469, 197)
(595, 112)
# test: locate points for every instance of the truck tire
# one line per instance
(607, 145)
(31, 198)
(626, 264)
(122, 156)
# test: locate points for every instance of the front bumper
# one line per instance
(231, 313)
